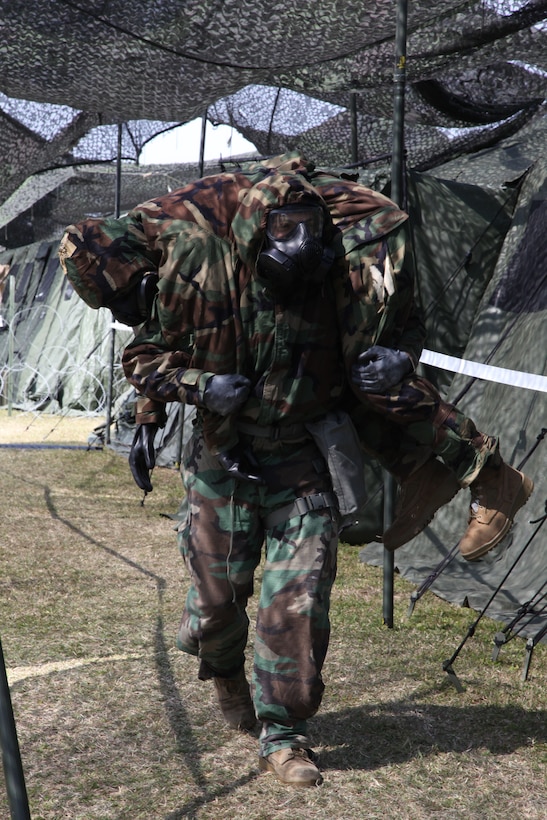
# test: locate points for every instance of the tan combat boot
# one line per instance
(497, 494)
(420, 496)
(293, 767)
(234, 698)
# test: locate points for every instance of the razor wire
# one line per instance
(57, 375)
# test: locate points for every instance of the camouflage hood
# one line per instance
(278, 183)
(359, 214)
(103, 258)
(356, 215)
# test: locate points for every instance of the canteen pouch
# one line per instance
(337, 439)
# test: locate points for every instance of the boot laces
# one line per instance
(474, 507)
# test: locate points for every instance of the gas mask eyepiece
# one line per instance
(294, 253)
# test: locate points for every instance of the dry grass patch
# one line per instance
(114, 725)
(25, 427)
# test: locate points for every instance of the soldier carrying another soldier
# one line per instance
(283, 302)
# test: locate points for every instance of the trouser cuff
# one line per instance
(275, 736)
(206, 671)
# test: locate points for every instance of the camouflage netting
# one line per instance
(319, 77)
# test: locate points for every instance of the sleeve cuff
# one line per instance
(148, 411)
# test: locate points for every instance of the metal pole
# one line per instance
(397, 172)
(118, 188)
(112, 350)
(180, 442)
(202, 144)
(11, 342)
(389, 557)
(353, 115)
(11, 757)
(399, 79)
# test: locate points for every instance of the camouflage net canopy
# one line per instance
(314, 76)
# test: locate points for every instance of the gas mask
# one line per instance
(134, 305)
(294, 254)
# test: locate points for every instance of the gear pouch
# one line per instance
(337, 439)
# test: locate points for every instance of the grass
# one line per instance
(44, 429)
(114, 725)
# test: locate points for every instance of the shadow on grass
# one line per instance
(181, 727)
(176, 713)
(160, 582)
(189, 809)
(369, 738)
(175, 710)
(396, 732)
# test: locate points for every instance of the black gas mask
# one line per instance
(134, 305)
(294, 254)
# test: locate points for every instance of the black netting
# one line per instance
(317, 77)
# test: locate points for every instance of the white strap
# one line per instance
(501, 375)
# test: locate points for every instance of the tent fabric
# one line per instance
(61, 349)
(509, 330)
(310, 78)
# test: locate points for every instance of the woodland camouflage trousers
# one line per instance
(221, 542)
(403, 427)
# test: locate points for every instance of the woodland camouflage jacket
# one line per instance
(212, 316)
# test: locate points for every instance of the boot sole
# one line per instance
(526, 490)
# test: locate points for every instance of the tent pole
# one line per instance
(353, 115)
(180, 442)
(397, 165)
(11, 342)
(11, 756)
(202, 144)
(399, 79)
(111, 356)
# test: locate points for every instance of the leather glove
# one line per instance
(380, 368)
(142, 456)
(241, 463)
(223, 394)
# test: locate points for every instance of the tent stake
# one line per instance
(431, 578)
(509, 632)
(530, 645)
(452, 677)
(447, 665)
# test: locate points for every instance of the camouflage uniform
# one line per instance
(374, 286)
(213, 317)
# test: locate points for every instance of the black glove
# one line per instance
(142, 456)
(225, 393)
(380, 368)
(241, 463)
